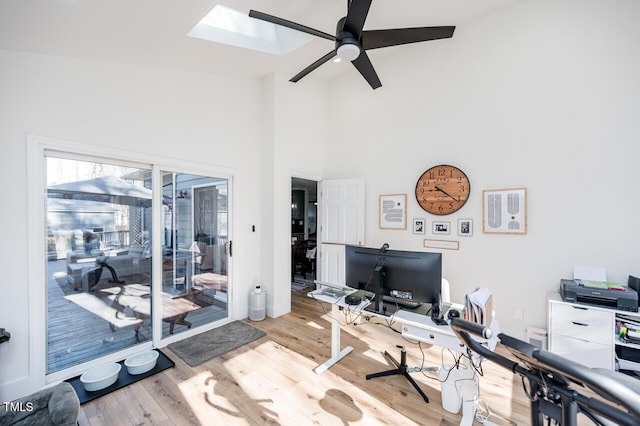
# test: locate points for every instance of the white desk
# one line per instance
(414, 326)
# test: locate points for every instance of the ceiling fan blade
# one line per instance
(293, 25)
(313, 66)
(385, 38)
(365, 67)
(356, 15)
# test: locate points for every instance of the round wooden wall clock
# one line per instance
(442, 190)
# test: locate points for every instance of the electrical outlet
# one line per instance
(518, 314)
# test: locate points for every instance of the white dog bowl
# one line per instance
(142, 362)
(100, 377)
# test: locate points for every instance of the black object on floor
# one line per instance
(401, 369)
(124, 379)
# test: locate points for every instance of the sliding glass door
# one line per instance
(195, 251)
(101, 282)
(98, 268)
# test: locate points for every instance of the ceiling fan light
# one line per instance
(348, 52)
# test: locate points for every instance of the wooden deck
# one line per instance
(83, 326)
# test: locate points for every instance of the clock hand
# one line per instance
(445, 193)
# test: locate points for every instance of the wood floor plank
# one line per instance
(168, 396)
(271, 381)
(139, 405)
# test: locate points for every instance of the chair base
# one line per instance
(401, 369)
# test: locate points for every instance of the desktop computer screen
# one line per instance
(395, 277)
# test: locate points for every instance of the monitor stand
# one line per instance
(401, 368)
(378, 305)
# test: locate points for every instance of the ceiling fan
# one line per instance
(351, 42)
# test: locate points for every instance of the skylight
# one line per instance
(228, 26)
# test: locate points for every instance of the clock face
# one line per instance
(442, 190)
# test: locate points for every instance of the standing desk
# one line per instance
(414, 326)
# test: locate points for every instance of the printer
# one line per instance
(621, 298)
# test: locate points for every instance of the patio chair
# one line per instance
(95, 274)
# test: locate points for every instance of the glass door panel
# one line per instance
(194, 247)
(98, 224)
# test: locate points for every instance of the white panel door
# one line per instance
(342, 219)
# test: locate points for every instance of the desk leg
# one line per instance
(468, 396)
(336, 353)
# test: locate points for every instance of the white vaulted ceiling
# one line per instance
(154, 32)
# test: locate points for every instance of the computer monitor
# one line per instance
(415, 276)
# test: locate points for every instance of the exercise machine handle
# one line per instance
(472, 327)
(462, 328)
(547, 369)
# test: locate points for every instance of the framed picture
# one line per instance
(465, 227)
(440, 228)
(504, 211)
(393, 211)
(418, 226)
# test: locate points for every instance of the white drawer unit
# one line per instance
(595, 355)
(581, 322)
(588, 334)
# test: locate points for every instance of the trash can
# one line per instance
(258, 304)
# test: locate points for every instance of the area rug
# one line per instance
(124, 379)
(204, 346)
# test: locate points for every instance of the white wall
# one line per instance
(295, 129)
(263, 131)
(209, 119)
(543, 95)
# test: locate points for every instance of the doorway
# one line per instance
(304, 231)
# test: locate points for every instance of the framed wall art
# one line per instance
(504, 211)
(441, 228)
(465, 227)
(393, 211)
(419, 225)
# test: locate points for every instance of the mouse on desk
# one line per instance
(454, 313)
(352, 299)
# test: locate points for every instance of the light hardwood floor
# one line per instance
(271, 382)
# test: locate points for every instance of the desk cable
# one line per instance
(346, 311)
(388, 322)
(483, 412)
(324, 311)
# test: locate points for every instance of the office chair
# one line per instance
(299, 251)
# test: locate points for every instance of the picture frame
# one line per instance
(465, 227)
(393, 211)
(504, 211)
(419, 226)
(440, 228)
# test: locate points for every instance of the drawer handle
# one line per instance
(580, 323)
(580, 307)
